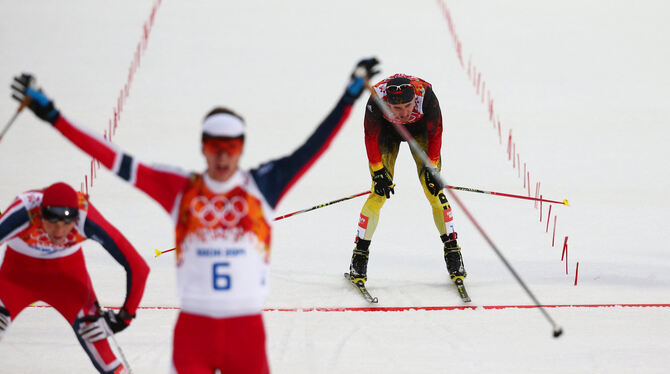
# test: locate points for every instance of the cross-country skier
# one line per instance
(44, 261)
(223, 220)
(415, 106)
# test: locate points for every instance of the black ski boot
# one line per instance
(453, 258)
(358, 269)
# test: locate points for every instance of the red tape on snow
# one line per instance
(416, 308)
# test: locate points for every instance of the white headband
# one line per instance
(223, 124)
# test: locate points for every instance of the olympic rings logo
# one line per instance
(219, 209)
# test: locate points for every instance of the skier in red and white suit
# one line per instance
(223, 223)
(44, 261)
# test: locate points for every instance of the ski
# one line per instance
(360, 286)
(458, 281)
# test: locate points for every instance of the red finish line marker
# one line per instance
(411, 308)
(553, 237)
(565, 253)
(499, 132)
(518, 162)
(509, 145)
(566, 260)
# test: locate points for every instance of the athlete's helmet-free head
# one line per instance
(222, 142)
(222, 123)
(223, 130)
(399, 91)
(60, 203)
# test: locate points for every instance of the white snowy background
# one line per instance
(582, 85)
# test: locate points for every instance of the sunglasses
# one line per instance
(232, 146)
(53, 214)
(397, 88)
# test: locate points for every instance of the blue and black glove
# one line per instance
(432, 185)
(365, 69)
(383, 182)
(24, 89)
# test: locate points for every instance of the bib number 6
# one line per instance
(220, 278)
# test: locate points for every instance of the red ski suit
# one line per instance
(35, 269)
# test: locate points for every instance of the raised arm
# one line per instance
(161, 183)
(275, 178)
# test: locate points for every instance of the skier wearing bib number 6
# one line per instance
(223, 220)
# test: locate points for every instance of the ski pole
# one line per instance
(564, 202)
(123, 357)
(158, 252)
(402, 131)
(22, 106)
(321, 205)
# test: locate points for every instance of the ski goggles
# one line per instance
(232, 146)
(398, 88)
(53, 214)
(399, 93)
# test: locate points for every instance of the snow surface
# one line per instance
(582, 85)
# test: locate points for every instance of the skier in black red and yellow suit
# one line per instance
(416, 107)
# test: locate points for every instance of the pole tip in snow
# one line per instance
(565, 202)
(557, 332)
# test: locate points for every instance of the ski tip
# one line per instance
(565, 202)
(157, 252)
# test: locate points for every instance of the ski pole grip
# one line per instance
(26, 101)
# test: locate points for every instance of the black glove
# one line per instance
(383, 182)
(365, 69)
(5, 319)
(104, 324)
(433, 186)
(23, 88)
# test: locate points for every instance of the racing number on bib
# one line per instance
(220, 278)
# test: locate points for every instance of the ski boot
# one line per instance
(453, 258)
(358, 268)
